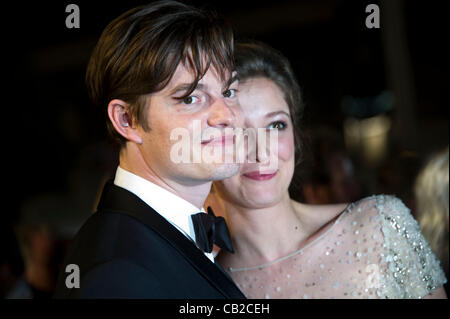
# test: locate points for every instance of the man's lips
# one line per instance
(222, 140)
(257, 176)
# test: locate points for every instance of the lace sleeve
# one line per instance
(413, 271)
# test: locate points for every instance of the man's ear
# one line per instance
(118, 113)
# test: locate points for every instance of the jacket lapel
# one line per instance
(118, 200)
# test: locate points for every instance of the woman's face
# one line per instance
(255, 186)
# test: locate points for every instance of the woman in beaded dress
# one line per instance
(372, 248)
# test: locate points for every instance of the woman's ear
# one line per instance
(118, 113)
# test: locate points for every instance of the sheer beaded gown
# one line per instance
(374, 249)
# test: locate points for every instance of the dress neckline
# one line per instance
(307, 245)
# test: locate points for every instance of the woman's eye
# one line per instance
(189, 100)
(229, 93)
(277, 125)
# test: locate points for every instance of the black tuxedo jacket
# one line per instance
(127, 250)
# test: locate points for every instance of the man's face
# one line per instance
(213, 105)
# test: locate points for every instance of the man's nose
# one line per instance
(224, 114)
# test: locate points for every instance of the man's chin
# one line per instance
(224, 171)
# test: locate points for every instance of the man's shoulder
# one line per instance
(108, 234)
(116, 278)
(112, 249)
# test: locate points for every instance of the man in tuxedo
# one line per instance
(156, 68)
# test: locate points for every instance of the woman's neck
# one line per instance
(265, 234)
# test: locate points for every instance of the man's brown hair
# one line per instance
(138, 53)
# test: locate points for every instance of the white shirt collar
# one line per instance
(173, 208)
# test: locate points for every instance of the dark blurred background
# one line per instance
(376, 108)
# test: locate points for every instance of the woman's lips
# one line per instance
(257, 176)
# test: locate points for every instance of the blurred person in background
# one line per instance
(11, 261)
(48, 222)
(432, 195)
(38, 248)
(396, 175)
(332, 176)
(46, 225)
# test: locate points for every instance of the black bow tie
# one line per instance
(210, 230)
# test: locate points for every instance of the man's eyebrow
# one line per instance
(230, 81)
(183, 87)
(276, 113)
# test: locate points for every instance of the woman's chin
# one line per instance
(262, 199)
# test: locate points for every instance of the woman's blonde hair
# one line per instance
(432, 197)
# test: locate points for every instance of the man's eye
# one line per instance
(189, 100)
(277, 125)
(230, 93)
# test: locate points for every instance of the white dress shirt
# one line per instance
(173, 208)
